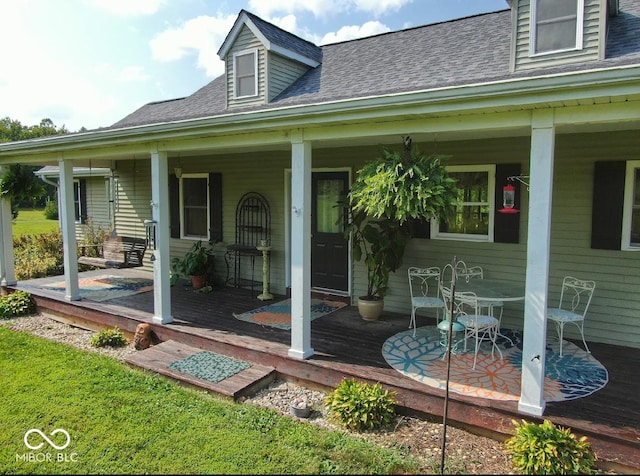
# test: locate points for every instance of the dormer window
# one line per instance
(556, 25)
(245, 73)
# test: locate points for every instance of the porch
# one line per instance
(347, 346)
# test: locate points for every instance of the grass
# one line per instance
(33, 222)
(125, 421)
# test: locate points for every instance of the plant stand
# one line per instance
(266, 295)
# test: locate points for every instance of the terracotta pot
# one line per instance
(370, 310)
(198, 281)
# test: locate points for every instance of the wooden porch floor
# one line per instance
(347, 346)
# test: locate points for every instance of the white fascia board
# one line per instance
(52, 172)
(518, 91)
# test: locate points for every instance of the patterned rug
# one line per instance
(105, 287)
(209, 366)
(576, 374)
(279, 314)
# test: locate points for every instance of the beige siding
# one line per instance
(97, 206)
(133, 198)
(282, 73)
(592, 38)
(246, 40)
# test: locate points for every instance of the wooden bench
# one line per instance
(116, 252)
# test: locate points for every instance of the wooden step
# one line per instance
(158, 358)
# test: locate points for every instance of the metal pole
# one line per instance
(446, 394)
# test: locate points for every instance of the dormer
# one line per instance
(558, 32)
(262, 60)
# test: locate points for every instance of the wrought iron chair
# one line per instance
(422, 281)
(478, 325)
(468, 272)
(575, 298)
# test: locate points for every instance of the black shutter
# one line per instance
(608, 204)
(174, 206)
(506, 226)
(82, 183)
(215, 207)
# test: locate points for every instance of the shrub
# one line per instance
(109, 337)
(38, 256)
(361, 406)
(18, 303)
(547, 449)
(51, 210)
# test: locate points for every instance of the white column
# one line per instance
(68, 227)
(538, 251)
(160, 256)
(7, 270)
(300, 250)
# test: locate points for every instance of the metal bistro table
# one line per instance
(491, 291)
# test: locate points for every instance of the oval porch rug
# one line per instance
(576, 374)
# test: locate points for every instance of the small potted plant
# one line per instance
(300, 407)
(197, 264)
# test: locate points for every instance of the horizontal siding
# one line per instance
(591, 39)
(98, 207)
(282, 73)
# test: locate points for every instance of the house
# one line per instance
(543, 95)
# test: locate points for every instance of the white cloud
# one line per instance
(129, 7)
(355, 31)
(133, 73)
(325, 8)
(201, 36)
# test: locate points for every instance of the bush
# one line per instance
(51, 210)
(109, 337)
(38, 256)
(361, 406)
(18, 303)
(547, 449)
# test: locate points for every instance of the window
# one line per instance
(194, 206)
(556, 25)
(245, 67)
(631, 214)
(473, 216)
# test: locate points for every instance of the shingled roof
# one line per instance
(470, 50)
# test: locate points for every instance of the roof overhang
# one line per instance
(50, 171)
(508, 95)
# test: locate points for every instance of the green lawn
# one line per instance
(33, 222)
(125, 421)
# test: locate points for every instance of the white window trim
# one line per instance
(632, 166)
(253, 51)
(183, 235)
(579, 31)
(436, 234)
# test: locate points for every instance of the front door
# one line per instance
(329, 248)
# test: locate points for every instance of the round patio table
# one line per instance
(492, 289)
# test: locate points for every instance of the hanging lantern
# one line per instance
(509, 199)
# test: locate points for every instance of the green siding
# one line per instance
(246, 40)
(97, 206)
(282, 73)
(592, 38)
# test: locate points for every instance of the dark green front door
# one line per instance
(329, 248)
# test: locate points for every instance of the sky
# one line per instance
(89, 63)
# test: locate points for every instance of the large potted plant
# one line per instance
(197, 264)
(380, 243)
(388, 192)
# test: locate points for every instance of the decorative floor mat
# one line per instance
(105, 287)
(279, 314)
(576, 374)
(209, 366)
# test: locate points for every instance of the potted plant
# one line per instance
(197, 263)
(380, 243)
(389, 192)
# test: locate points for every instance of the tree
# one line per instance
(18, 181)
